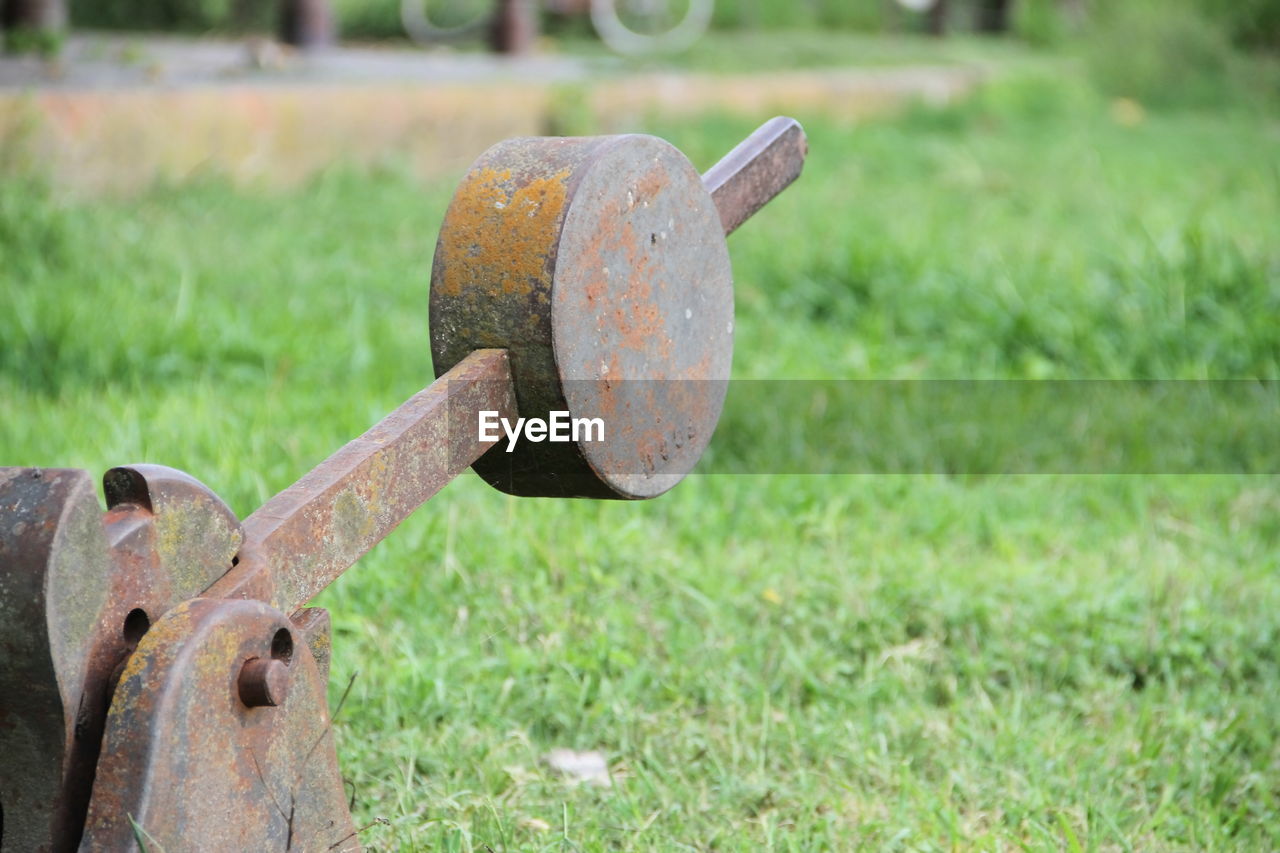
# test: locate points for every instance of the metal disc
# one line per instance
(600, 265)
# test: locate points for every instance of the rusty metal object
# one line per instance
(595, 262)
(152, 680)
(263, 682)
(187, 765)
(86, 586)
(173, 520)
(600, 264)
(302, 539)
(313, 625)
(80, 587)
(55, 574)
(757, 169)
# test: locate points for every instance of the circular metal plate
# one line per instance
(600, 265)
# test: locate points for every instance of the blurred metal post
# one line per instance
(307, 24)
(33, 24)
(994, 15)
(936, 18)
(514, 30)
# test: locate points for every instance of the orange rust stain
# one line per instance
(652, 184)
(640, 323)
(597, 288)
(635, 317)
(498, 236)
(609, 396)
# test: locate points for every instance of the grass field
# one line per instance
(787, 662)
(788, 50)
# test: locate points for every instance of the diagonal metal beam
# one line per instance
(302, 539)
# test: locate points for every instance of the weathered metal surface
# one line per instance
(54, 579)
(599, 264)
(263, 682)
(757, 169)
(298, 542)
(314, 626)
(642, 314)
(195, 768)
(77, 590)
(172, 521)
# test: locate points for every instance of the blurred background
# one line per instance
(216, 229)
(433, 81)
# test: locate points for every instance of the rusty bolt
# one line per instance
(264, 682)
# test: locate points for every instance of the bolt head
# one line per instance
(263, 683)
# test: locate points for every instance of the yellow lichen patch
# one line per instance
(215, 652)
(195, 544)
(163, 636)
(498, 233)
(352, 521)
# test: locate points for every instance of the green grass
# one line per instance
(887, 662)
(791, 49)
(381, 18)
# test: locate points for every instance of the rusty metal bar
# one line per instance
(757, 169)
(302, 539)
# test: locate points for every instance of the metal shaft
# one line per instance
(757, 169)
(302, 539)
